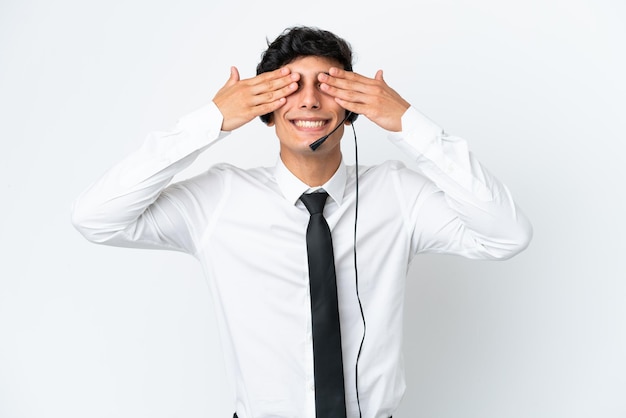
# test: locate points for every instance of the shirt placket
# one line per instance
(309, 380)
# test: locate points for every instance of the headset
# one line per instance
(350, 116)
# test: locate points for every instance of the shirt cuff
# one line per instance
(418, 130)
(205, 123)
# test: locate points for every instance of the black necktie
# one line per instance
(330, 399)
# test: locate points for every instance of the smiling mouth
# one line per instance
(309, 123)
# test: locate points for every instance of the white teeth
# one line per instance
(309, 123)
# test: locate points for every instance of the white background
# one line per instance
(538, 89)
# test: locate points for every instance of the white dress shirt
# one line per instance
(247, 228)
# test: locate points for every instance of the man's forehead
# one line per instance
(312, 65)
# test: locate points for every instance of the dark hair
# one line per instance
(303, 41)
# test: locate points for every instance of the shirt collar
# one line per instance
(292, 187)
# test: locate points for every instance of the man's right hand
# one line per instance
(240, 101)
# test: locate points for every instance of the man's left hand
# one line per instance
(371, 97)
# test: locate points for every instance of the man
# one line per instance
(248, 228)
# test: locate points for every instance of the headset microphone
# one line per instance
(315, 145)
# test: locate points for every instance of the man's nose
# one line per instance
(309, 96)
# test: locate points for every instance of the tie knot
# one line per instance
(314, 202)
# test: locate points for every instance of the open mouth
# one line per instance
(309, 124)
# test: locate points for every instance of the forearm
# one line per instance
(111, 208)
(489, 224)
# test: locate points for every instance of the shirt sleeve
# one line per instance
(466, 211)
(131, 204)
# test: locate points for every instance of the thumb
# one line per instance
(234, 76)
(379, 75)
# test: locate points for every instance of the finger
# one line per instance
(234, 76)
(358, 89)
(346, 80)
(340, 72)
(345, 94)
(269, 75)
(353, 107)
(267, 97)
(265, 108)
(264, 79)
(272, 88)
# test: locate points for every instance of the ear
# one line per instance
(270, 122)
(348, 122)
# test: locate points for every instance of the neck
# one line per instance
(313, 171)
